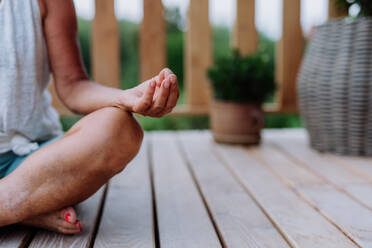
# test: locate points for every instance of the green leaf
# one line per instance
(243, 79)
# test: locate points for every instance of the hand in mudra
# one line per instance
(155, 97)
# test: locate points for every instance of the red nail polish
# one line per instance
(67, 217)
(79, 225)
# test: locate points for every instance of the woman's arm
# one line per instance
(73, 86)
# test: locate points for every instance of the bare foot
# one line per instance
(62, 221)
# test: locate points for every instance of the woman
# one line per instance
(43, 172)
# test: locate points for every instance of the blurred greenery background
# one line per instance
(129, 56)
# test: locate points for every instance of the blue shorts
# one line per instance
(10, 161)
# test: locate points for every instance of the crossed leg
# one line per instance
(68, 171)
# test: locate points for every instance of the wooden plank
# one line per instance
(362, 193)
(127, 219)
(245, 34)
(198, 54)
(296, 175)
(185, 109)
(183, 220)
(289, 54)
(349, 215)
(153, 51)
(105, 44)
(315, 161)
(359, 165)
(240, 222)
(338, 175)
(88, 212)
(301, 224)
(15, 236)
(335, 11)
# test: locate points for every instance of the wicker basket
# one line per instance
(335, 87)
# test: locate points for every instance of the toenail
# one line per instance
(67, 217)
(79, 225)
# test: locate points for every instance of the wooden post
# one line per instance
(153, 53)
(289, 55)
(245, 34)
(105, 45)
(335, 11)
(198, 54)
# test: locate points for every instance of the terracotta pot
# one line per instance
(236, 123)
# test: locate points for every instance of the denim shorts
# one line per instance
(10, 161)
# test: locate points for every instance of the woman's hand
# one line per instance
(155, 97)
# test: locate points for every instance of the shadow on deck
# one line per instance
(183, 190)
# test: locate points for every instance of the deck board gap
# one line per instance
(192, 173)
(28, 239)
(153, 195)
(97, 223)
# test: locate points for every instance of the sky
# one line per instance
(222, 12)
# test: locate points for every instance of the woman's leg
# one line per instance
(64, 220)
(70, 170)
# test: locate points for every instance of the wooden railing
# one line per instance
(198, 49)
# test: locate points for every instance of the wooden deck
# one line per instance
(183, 190)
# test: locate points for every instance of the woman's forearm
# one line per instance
(148, 98)
(84, 97)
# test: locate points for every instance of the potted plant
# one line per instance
(240, 85)
(334, 84)
(364, 5)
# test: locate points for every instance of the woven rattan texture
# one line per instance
(335, 87)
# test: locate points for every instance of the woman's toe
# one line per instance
(69, 215)
(75, 228)
(68, 231)
(79, 225)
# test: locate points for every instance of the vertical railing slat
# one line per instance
(198, 54)
(245, 34)
(152, 39)
(289, 55)
(334, 11)
(105, 44)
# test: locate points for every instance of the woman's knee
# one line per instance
(126, 136)
(116, 134)
(123, 138)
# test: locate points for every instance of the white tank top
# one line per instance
(26, 115)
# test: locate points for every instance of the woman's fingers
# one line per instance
(145, 101)
(158, 100)
(162, 76)
(161, 100)
(173, 96)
